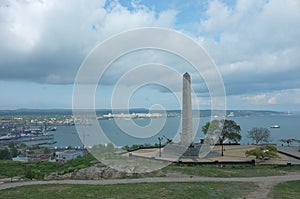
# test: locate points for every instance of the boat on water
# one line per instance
(276, 126)
(231, 114)
(26, 137)
(51, 128)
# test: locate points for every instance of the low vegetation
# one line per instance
(142, 190)
(263, 152)
(37, 170)
(229, 170)
(286, 190)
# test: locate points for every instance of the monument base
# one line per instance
(176, 150)
(192, 151)
(196, 151)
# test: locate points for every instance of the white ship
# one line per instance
(275, 126)
(231, 114)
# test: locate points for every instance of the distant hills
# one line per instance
(203, 113)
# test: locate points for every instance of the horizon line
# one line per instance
(70, 109)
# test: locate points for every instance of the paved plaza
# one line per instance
(232, 153)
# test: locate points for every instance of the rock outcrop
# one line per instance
(96, 172)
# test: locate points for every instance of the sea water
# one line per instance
(289, 128)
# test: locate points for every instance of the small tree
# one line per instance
(259, 135)
(289, 141)
(109, 147)
(23, 145)
(47, 150)
(11, 145)
(14, 152)
(5, 154)
(28, 173)
(230, 130)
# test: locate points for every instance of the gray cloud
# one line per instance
(254, 44)
(45, 42)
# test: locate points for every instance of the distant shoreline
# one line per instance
(204, 113)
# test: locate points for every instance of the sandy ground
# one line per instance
(232, 153)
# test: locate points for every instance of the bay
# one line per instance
(289, 128)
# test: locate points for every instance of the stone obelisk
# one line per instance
(186, 118)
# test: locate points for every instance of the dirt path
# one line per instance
(265, 183)
(265, 186)
(262, 192)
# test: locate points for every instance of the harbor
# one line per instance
(60, 132)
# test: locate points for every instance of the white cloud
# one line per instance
(256, 99)
(119, 19)
(284, 100)
(272, 100)
(289, 96)
(254, 43)
(251, 28)
(47, 40)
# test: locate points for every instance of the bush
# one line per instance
(268, 151)
(34, 174)
(5, 154)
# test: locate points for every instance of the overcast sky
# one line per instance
(255, 45)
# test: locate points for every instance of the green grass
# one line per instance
(143, 190)
(10, 168)
(286, 190)
(41, 169)
(233, 170)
